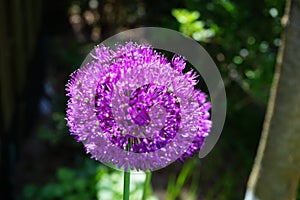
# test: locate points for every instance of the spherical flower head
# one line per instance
(133, 109)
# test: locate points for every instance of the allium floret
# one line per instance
(133, 109)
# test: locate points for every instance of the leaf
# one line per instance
(184, 16)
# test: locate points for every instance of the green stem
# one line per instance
(126, 188)
(146, 185)
(126, 185)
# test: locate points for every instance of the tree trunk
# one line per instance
(276, 171)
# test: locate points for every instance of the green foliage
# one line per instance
(176, 185)
(90, 181)
(68, 184)
(190, 26)
(110, 185)
(245, 40)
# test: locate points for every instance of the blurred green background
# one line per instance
(42, 42)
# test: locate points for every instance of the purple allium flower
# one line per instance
(133, 109)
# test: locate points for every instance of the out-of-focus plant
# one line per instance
(109, 185)
(176, 185)
(246, 39)
(90, 181)
(68, 184)
(191, 26)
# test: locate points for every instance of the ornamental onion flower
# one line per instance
(134, 109)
